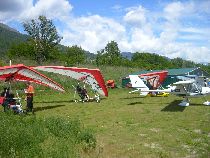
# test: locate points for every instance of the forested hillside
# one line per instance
(9, 36)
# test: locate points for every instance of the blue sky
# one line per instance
(165, 27)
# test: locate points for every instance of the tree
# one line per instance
(110, 55)
(44, 37)
(18, 50)
(98, 58)
(179, 62)
(150, 61)
(75, 55)
(112, 49)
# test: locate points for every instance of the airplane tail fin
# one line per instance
(139, 84)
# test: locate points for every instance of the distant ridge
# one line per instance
(6, 27)
(9, 36)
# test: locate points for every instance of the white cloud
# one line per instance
(24, 9)
(195, 34)
(192, 37)
(12, 5)
(11, 9)
(202, 6)
(53, 9)
(135, 16)
(194, 30)
(197, 54)
(143, 38)
(93, 32)
(173, 11)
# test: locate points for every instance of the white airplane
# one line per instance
(186, 89)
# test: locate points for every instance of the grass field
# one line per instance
(127, 125)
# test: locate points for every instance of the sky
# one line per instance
(169, 28)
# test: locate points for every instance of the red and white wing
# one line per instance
(155, 78)
(93, 77)
(24, 73)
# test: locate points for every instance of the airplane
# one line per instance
(188, 88)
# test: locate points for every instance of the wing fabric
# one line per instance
(155, 78)
(24, 73)
(93, 77)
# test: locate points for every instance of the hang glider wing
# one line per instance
(155, 79)
(93, 77)
(23, 73)
(162, 75)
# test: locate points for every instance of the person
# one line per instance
(5, 96)
(5, 93)
(85, 94)
(82, 93)
(29, 98)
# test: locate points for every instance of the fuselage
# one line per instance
(190, 91)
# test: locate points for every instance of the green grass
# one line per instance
(125, 125)
(31, 136)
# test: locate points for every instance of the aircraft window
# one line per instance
(192, 88)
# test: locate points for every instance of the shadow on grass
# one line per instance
(174, 107)
(133, 97)
(134, 103)
(47, 107)
(64, 101)
(197, 104)
(55, 101)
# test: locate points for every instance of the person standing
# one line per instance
(29, 98)
(5, 96)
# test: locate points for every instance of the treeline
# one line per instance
(43, 45)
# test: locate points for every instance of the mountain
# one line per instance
(9, 36)
(205, 63)
(6, 27)
(127, 55)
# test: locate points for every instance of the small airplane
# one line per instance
(154, 80)
(195, 87)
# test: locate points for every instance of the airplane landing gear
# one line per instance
(185, 102)
(206, 103)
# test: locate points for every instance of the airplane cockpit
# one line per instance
(201, 81)
(193, 88)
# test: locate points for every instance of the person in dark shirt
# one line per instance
(6, 98)
(82, 93)
(5, 93)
